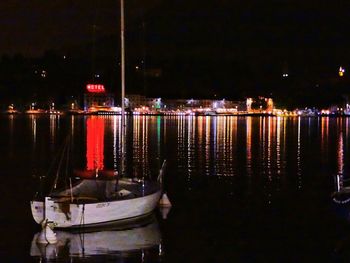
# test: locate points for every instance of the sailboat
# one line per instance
(100, 199)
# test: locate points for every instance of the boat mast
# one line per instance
(122, 47)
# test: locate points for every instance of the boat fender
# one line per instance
(164, 201)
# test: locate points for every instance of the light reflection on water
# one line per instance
(324, 137)
(140, 154)
(11, 142)
(246, 164)
(214, 145)
(299, 158)
(223, 146)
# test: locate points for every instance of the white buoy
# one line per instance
(46, 236)
(164, 201)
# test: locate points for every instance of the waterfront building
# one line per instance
(260, 105)
(141, 104)
(96, 97)
(136, 100)
(239, 105)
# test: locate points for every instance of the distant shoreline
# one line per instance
(213, 114)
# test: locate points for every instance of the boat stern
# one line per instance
(63, 214)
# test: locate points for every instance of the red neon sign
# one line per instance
(95, 88)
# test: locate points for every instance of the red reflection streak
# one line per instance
(94, 143)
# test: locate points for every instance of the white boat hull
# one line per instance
(67, 215)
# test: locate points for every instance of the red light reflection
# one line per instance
(95, 143)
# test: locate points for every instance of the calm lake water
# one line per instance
(244, 189)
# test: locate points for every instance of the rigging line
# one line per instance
(143, 40)
(48, 172)
(100, 190)
(67, 160)
(59, 166)
(82, 218)
(93, 48)
(122, 45)
(71, 189)
(55, 160)
(82, 234)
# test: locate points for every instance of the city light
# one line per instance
(43, 74)
(341, 71)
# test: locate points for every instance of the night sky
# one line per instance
(224, 48)
(31, 27)
(35, 26)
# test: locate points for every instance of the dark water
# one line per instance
(244, 189)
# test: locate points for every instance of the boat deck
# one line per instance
(92, 191)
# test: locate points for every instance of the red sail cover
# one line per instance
(90, 174)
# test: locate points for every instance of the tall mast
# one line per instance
(122, 47)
